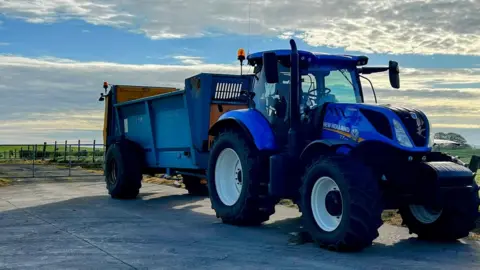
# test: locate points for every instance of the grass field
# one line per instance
(464, 154)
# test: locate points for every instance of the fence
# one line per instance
(48, 160)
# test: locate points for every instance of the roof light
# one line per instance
(105, 86)
(241, 54)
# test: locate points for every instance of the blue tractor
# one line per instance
(297, 128)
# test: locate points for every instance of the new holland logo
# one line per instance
(414, 115)
(355, 134)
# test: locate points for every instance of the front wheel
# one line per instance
(341, 203)
(453, 221)
(238, 181)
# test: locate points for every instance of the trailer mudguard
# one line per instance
(252, 122)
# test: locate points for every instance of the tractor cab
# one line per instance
(323, 78)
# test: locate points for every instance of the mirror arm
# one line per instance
(370, 70)
(373, 89)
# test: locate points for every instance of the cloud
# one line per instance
(4, 44)
(403, 26)
(58, 101)
(42, 96)
(189, 60)
(434, 92)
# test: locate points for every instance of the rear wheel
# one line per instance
(454, 221)
(196, 186)
(341, 203)
(238, 181)
(123, 174)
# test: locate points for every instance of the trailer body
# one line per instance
(172, 127)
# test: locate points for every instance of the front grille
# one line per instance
(415, 122)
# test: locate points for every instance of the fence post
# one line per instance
(65, 157)
(55, 152)
(93, 159)
(15, 155)
(33, 160)
(78, 152)
(21, 153)
(44, 150)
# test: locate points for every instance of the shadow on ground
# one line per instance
(178, 231)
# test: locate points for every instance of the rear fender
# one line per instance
(252, 123)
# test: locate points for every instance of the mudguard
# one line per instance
(323, 146)
(251, 121)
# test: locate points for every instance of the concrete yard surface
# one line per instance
(76, 225)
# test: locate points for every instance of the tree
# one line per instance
(451, 136)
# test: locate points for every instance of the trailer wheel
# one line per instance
(452, 222)
(195, 186)
(123, 173)
(238, 181)
(341, 203)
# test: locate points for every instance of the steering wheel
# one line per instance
(310, 95)
(327, 91)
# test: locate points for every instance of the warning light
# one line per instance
(105, 86)
(241, 54)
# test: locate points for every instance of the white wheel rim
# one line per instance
(324, 219)
(228, 176)
(423, 214)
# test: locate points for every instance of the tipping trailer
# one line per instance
(167, 128)
(297, 128)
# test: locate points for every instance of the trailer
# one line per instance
(297, 128)
(169, 127)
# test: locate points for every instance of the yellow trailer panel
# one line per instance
(130, 92)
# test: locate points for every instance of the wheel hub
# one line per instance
(238, 179)
(333, 203)
(326, 204)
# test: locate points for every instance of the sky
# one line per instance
(56, 54)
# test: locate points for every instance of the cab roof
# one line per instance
(310, 57)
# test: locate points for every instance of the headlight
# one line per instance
(401, 135)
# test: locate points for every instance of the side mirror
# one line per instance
(270, 67)
(394, 74)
